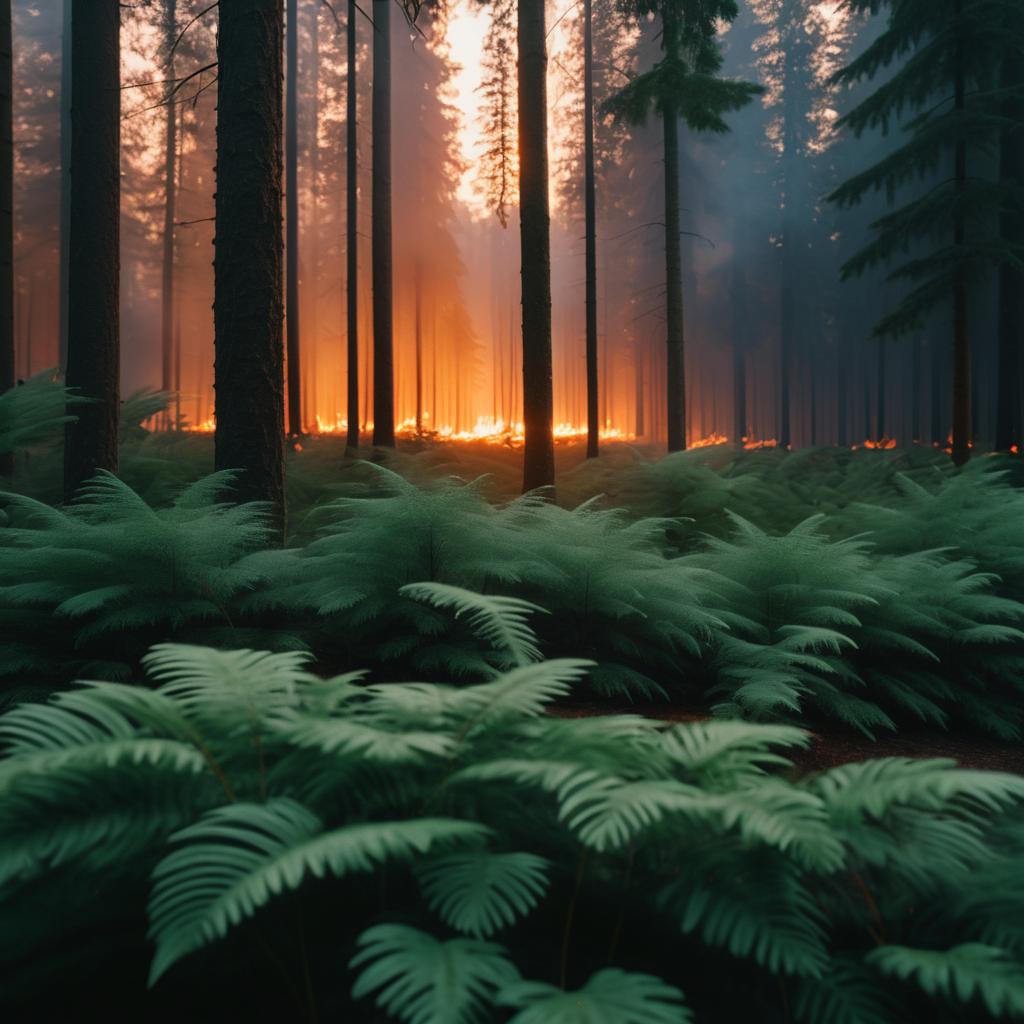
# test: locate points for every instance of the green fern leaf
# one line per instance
(501, 621)
(421, 980)
(480, 892)
(610, 996)
(238, 857)
(960, 973)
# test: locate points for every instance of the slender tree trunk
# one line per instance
(880, 424)
(311, 404)
(352, 228)
(7, 339)
(535, 241)
(170, 160)
(1011, 281)
(383, 354)
(419, 347)
(65, 187)
(961, 340)
(7, 360)
(676, 362)
(939, 427)
(915, 392)
(740, 424)
(248, 252)
(291, 318)
(590, 203)
(842, 391)
(640, 427)
(90, 443)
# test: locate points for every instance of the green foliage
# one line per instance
(258, 799)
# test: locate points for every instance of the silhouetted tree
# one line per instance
(248, 253)
(949, 79)
(291, 318)
(535, 247)
(383, 285)
(170, 27)
(1011, 280)
(94, 251)
(352, 225)
(683, 85)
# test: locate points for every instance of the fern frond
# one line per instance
(501, 621)
(609, 995)
(481, 892)
(959, 974)
(236, 858)
(421, 980)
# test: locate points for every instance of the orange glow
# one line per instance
(883, 445)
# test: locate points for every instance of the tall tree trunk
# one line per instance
(310, 404)
(291, 187)
(7, 341)
(419, 347)
(880, 424)
(915, 392)
(676, 363)
(939, 424)
(590, 204)
(961, 340)
(640, 425)
(535, 243)
(170, 158)
(65, 187)
(352, 228)
(383, 313)
(248, 252)
(740, 423)
(1011, 282)
(90, 443)
(842, 390)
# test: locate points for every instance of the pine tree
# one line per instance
(683, 85)
(170, 27)
(248, 253)
(1011, 281)
(94, 250)
(6, 211)
(352, 226)
(942, 232)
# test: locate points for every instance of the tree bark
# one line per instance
(90, 442)
(961, 340)
(7, 339)
(535, 244)
(352, 228)
(383, 313)
(1011, 281)
(880, 390)
(170, 195)
(291, 318)
(249, 371)
(418, 330)
(590, 204)
(65, 187)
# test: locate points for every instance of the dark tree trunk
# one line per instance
(961, 340)
(590, 204)
(419, 347)
(7, 342)
(170, 196)
(249, 377)
(65, 186)
(90, 443)
(940, 425)
(352, 228)
(291, 188)
(1011, 282)
(842, 391)
(640, 427)
(676, 362)
(535, 240)
(915, 392)
(740, 425)
(383, 355)
(880, 424)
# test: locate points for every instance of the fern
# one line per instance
(425, 981)
(959, 974)
(480, 892)
(609, 995)
(237, 857)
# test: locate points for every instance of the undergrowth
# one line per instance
(249, 829)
